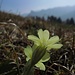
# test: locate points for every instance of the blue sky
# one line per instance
(25, 6)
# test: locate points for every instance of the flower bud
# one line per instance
(37, 55)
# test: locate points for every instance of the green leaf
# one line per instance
(28, 52)
(34, 39)
(28, 69)
(41, 66)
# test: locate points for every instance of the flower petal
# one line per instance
(49, 46)
(54, 46)
(53, 40)
(27, 58)
(34, 39)
(57, 46)
(28, 52)
(46, 57)
(41, 35)
(41, 66)
(34, 47)
(46, 36)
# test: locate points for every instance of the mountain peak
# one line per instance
(62, 12)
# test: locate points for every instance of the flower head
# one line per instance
(45, 41)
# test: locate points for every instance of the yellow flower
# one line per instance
(44, 40)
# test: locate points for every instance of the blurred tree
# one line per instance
(59, 20)
(70, 21)
(67, 21)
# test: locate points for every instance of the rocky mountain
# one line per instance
(63, 12)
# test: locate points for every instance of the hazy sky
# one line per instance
(25, 6)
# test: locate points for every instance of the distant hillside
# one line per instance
(63, 12)
(5, 16)
(69, 15)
